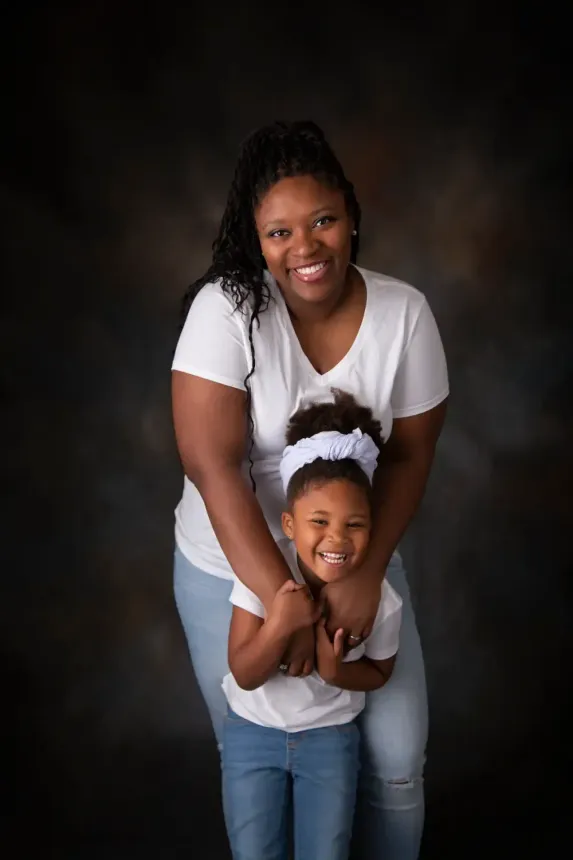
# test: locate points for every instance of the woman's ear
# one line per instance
(288, 524)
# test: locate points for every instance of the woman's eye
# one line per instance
(278, 234)
(326, 219)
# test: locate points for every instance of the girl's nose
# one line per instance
(336, 534)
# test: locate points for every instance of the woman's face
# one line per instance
(305, 234)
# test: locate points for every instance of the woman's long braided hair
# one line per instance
(269, 154)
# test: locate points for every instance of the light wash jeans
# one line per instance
(393, 726)
(258, 766)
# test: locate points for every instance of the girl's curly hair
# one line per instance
(343, 414)
(271, 153)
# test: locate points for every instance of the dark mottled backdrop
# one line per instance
(120, 131)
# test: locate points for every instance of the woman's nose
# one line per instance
(304, 243)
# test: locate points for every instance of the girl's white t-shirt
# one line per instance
(296, 704)
(396, 366)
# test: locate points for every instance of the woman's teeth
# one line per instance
(333, 557)
(310, 270)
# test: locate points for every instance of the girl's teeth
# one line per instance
(310, 270)
(333, 557)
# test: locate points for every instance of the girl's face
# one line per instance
(330, 526)
(305, 234)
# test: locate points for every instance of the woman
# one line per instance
(283, 315)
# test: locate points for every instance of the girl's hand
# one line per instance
(293, 609)
(328, 653)
(299, 655)
(352, 604)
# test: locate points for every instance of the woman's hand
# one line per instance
(328, 653)
(352, 604)
(299, 656)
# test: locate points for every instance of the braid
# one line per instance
(269, 154)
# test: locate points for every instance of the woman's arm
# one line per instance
(401, 479)
(211, 431)
(402, 475)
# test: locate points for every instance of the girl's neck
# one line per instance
(314, 583)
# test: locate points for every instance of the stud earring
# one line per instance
(355, 232)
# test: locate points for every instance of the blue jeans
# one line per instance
(259, 765)
(393, 726)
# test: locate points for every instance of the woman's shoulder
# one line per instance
(214, 295)
(217, 298)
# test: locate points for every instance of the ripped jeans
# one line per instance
(393, 726)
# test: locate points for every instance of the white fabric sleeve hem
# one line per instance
(383, 655)
(244, 598)
(420, 408)
(421, 379)
(212, 377)
(213, 343)
(384, 640)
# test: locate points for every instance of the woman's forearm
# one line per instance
(398, 495)
(401, 478)
(255, 661)
(242, 531)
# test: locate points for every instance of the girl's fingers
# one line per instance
(289, 585)
(321, 633)
(338, 643)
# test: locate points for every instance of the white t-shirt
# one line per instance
(295, 704)
(396, 366)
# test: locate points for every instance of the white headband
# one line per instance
(330, 445)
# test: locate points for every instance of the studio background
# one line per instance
(122, 127)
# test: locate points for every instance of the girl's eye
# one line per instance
(326, 219)
(355, 525)
(277, 234)
(319, 522)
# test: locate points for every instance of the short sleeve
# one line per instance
(385, 637)
(421, 381)
(244, 598)
(212, 344)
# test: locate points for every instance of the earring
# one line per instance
(355, 232)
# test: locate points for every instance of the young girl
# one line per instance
(284, 731)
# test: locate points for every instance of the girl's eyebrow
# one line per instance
(351, 516)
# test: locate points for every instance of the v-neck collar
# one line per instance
(297, 347)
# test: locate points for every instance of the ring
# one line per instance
(355, 638)
(283, 667)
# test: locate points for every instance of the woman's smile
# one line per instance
(312, 273)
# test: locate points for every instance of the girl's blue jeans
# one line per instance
(264, 770)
